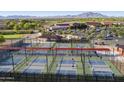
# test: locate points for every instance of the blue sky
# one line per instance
(54, 13)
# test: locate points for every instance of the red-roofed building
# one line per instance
(107, 23)
(93, 23)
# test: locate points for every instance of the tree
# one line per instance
(16, 28)
(2, 39)
(100, 36)
(26, 26)
(121, 33)
(10, 24)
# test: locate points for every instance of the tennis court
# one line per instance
(37, 45)
(16, 60)
(32, 52)
(43, 44)
(69, 45)
(79, 45)
(33, 71)
(46, 45)
(39, 60)
(102, 73)
(63, 45)
(6, 65)
(103, 53)
(67, 62)
(95, 62)
(66, 67)
(70, 63)
(35, 65)
(99, 68)
(5, 69)
(66, 73)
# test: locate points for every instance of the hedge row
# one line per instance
(15, 32)
(2, 39)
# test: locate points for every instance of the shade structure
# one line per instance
(34, 48)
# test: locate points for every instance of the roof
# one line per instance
(118, 23)
(2, 24)
(93, 23)
(120, 46)
(63, 24)
(51, 37)
(58, 27)
(107, 23)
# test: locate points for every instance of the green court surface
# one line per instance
(14, 36)
(24, 63)
(53, 63)
(31, 59)
(79, 64)
(113, 68)
(108, 63)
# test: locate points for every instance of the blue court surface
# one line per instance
(67, 62)
(94, 62)
(70, 73)
(62, 45)
(33, 52)
(40, 61)
(40, 52)
(16, 59)
(4, 69)
(79, 46)
(102, 73)
(60, 51)
(38, 71)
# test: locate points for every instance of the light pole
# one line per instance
(26, 56)
(12, 61)
(116, 40)
(71, 46)
(47, 63)
(83, 65)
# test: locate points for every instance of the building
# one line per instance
(2, 24)
(120, 49)
(72, 37)
(107, 23)
(62, 26)
(58, 28)
(93, 23)
(118, 23)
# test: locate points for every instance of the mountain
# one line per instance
(91, 15)
(82, 15)
(1, 17)
(19, 17)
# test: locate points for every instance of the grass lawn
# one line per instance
(113, 68)
(14, 36)
(54, 64)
